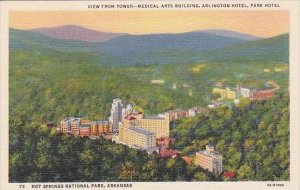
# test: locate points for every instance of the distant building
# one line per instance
(126, 111)
(177, 114)
(70, 125)
(200, 110)
(65, 125)
(137, 137)
(85, 130)
(209, 159)
(229, 174)
(262, 95)
(157, 124)
(215, 105)
(192, 112)
(226, 93)
(166, 153)
(75, 124)
(116, 114)
(164, 142)
(100, 127)
(157, 82)
(187, 159)
(244, 92)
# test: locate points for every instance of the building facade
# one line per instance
(226, 93)
(75, 124)
(100, 127)
(177, 114)
(158, 124)
(137, 137)
(210, 160)
(85, 130)
(126, 111)
(116, 114)
(70, 125)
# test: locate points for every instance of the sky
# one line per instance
(258, 23)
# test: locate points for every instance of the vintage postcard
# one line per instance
(150, 95)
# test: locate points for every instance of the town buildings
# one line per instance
(157, 124)
(209, 159)
(116, 114)
(100, 127)
(126, 111)
(166, 153)
(137, 137)
(82, 127)
(240, 92)
(263, 95)
(226, 93)
(85, 130)
(164, 142)
(70, 125)
(177, 114)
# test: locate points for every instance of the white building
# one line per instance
(192, 112)
(244, 92)
(126, 111)
(116, 114)
(210, 160)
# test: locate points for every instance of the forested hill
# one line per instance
(165, 48)
(270, 49)
(252, 138)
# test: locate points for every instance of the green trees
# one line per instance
(253, 138)
(41, 154)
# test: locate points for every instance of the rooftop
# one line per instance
(164, 153)
(229, 174)
(187, 159)
(154, 117)
(75, 119)
(86, 125)
(263, 94)
(140, 130)
(67, 119)
(209, 153)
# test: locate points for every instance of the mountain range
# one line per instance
(74, 32)
(206, 45)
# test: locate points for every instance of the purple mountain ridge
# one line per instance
(74, 32)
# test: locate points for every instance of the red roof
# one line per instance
(263, 94)
(187, 159)
(165, 153)
(165, 139)
(229, 174)
(130, 117)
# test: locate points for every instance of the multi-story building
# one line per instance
(65, 125)
(126, 111)
(244, 92)
(157, 124)
(104, 127)
(263, 95)
(85, 130)
(75, 124)
(225, 93)
(137, 137)
(94, 128)
(209, 159)
(70, 125)
(116, 114)
(177, 114)
(192, 112)
(100, 127)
